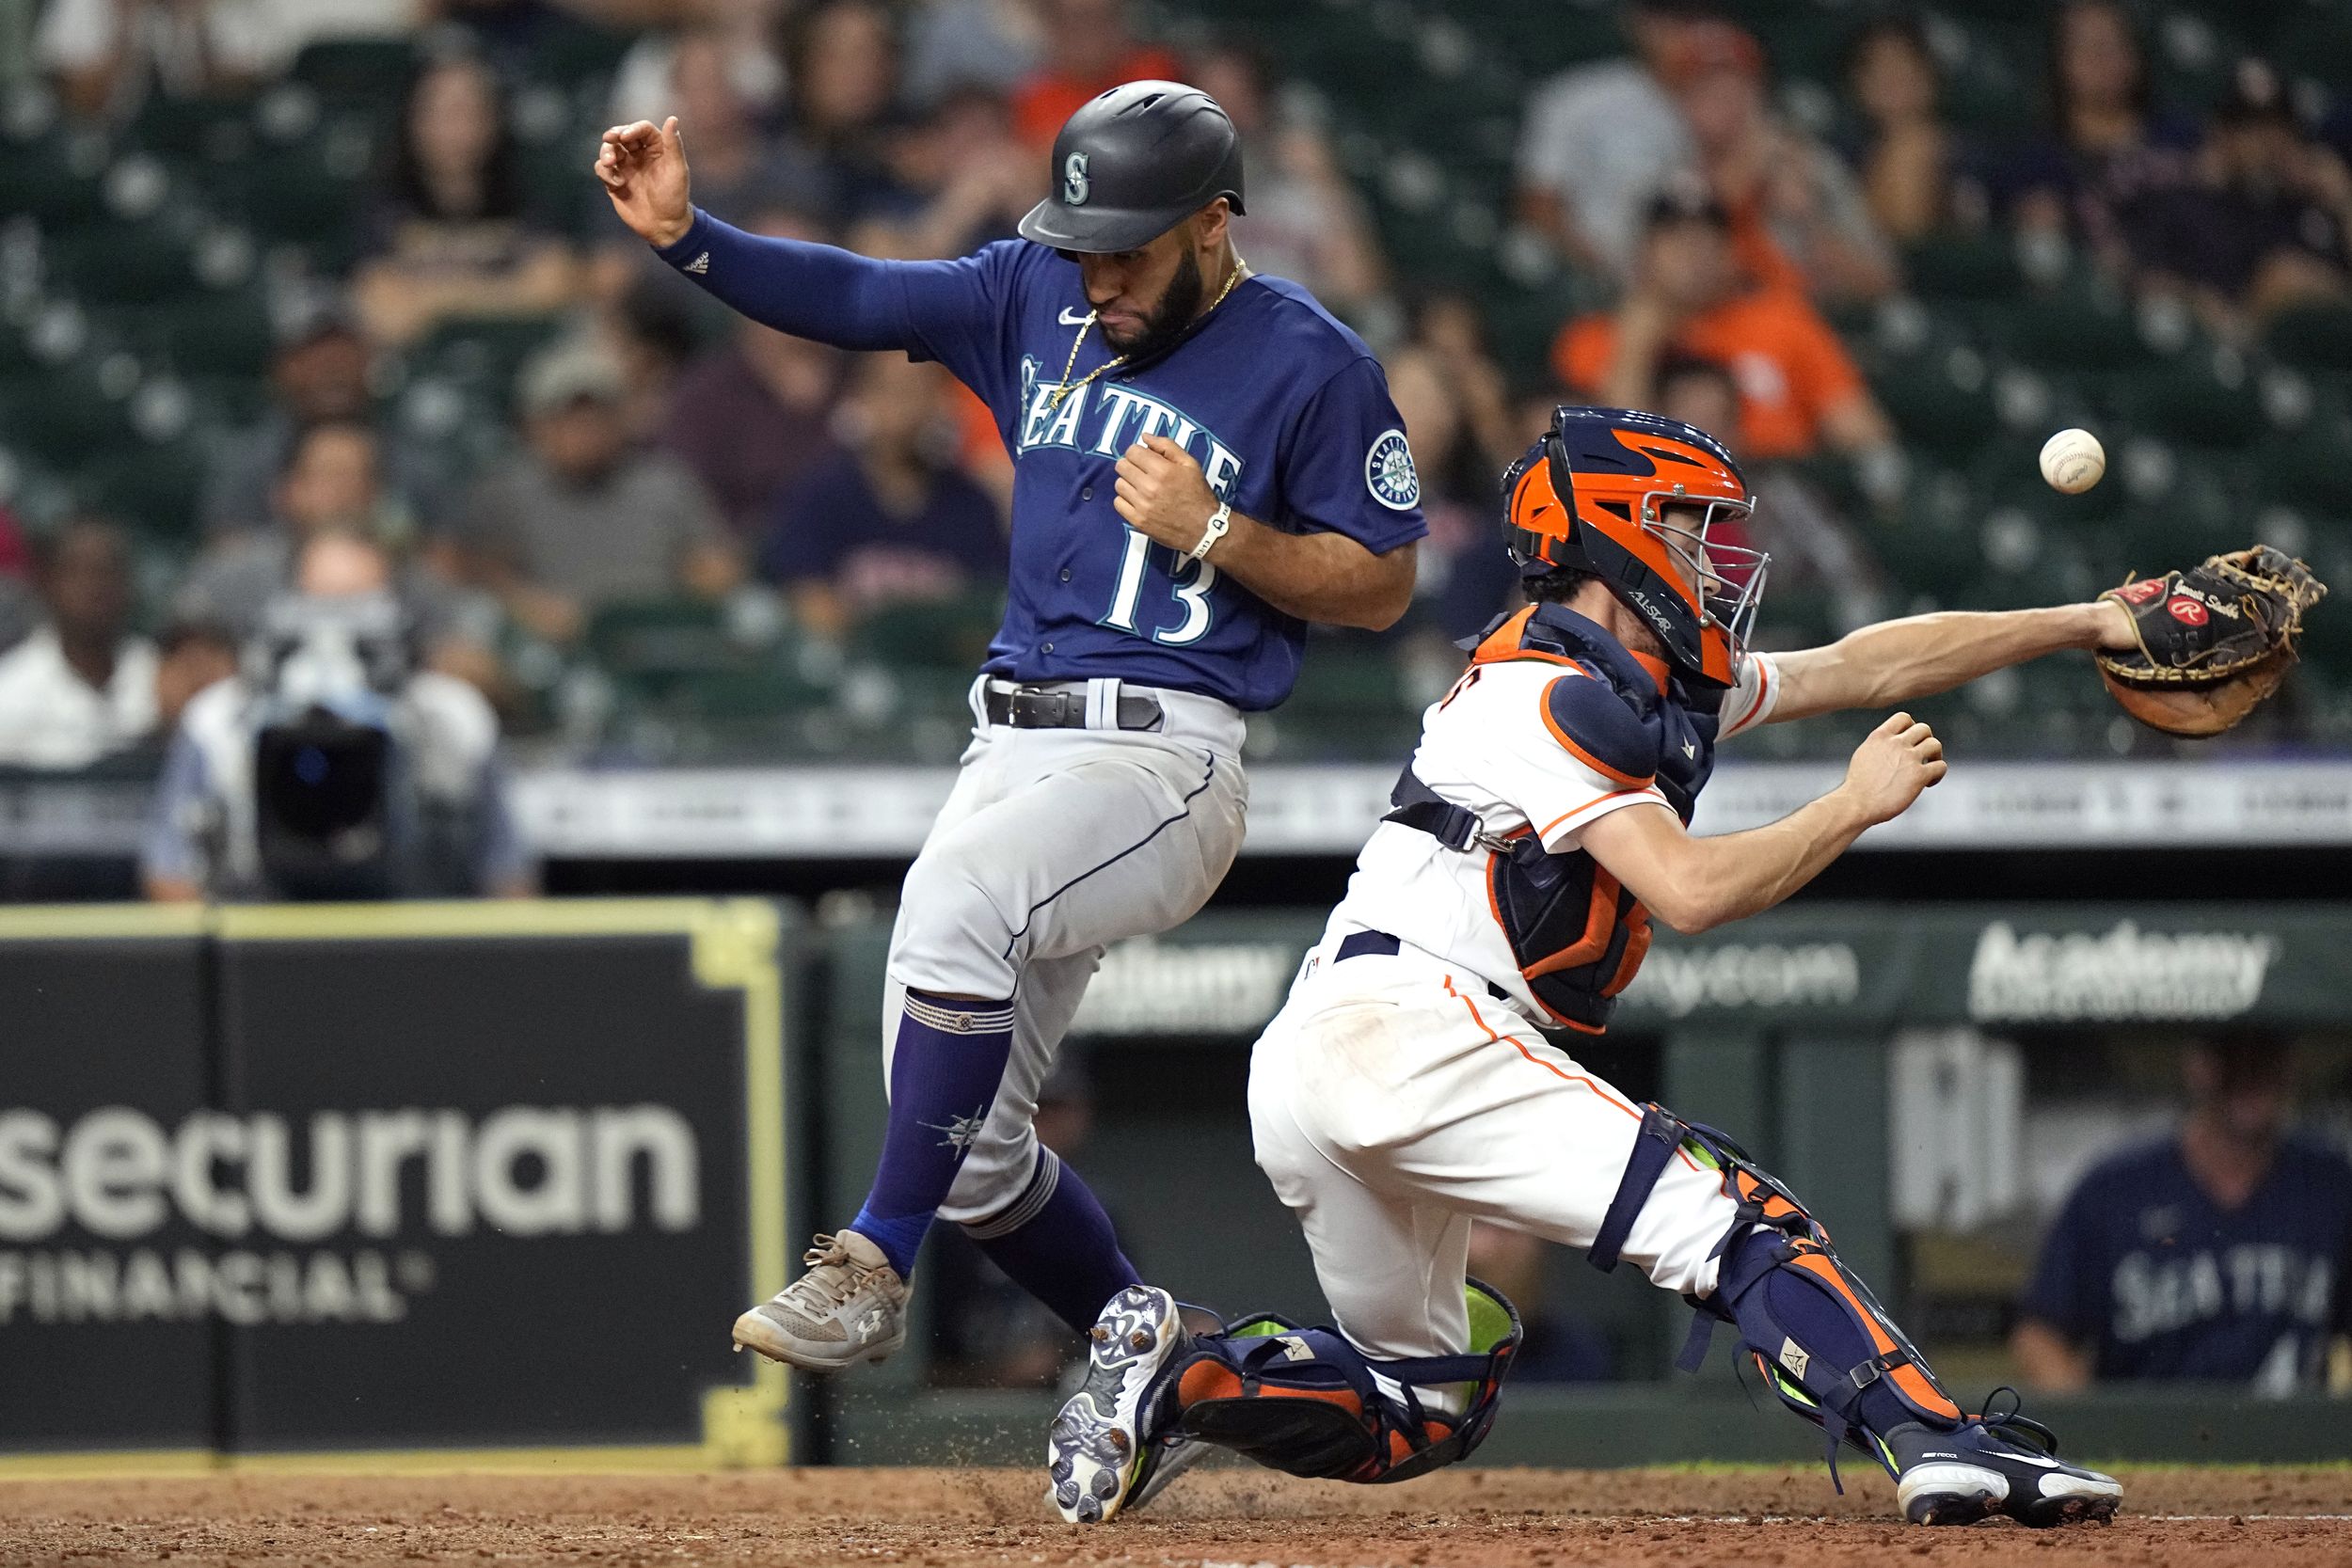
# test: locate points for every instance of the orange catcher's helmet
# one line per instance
(1594, 495)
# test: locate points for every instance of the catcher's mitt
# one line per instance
(2213, 641)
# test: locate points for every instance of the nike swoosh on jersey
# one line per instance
(1071, 318)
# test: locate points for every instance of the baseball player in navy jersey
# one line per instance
(1204, 461)
(1416, 1080)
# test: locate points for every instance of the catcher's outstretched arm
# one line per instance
(1898, 661)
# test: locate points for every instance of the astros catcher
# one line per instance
(1204, 461)
(1412, 1082)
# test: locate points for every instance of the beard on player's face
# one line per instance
(1166, 321)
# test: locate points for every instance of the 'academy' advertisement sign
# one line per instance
(1817, 964)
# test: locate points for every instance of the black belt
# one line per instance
(1038, 707)
(1356, 945)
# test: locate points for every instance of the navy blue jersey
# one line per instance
(1285, 408)
(2144, 1269)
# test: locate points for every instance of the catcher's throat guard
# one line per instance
(2213, 640)
(1823, 1345)
(1304, 1402)
(1595, 494)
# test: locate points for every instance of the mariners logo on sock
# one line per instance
(963, 1132)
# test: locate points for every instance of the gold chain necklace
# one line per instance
(1054, 403)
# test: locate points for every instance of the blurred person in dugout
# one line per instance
(2217, 1253)
(582, 518)
(893, 520)
(1800, 392)
(1556, 1346)
(83, 687)
(451, 233)
(333, 766)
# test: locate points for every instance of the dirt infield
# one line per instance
(1224, 1518)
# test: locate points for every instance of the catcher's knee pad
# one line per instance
(1306, 1402)
(1822, 1342)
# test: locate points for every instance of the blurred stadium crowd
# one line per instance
(277, 271)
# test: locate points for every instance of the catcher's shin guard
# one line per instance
(1306, 1402)
(1822, 1342)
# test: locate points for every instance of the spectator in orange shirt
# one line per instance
(1088, 49)
(1798, 393)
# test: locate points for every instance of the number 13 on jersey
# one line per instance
(1189, 586)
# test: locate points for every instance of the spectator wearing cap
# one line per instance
(1799, 391)
(1798, 219)
(2265, 225)
(318, 373)
(964, 179)
(753, 414)
(1600, 139)
(892, 521)
(579, 518)
(1089, 49)
(80, 687)
(452, 234)
(1306, 221)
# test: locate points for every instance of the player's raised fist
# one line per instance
(644, 170)
(1163, 494)
(1892, 765)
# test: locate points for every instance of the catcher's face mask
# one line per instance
(1636, 498)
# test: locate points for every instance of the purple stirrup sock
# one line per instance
(1056, 1243)
(944, 1074)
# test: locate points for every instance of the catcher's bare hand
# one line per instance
(1892, 765)
(1163, 494)
(644, 170)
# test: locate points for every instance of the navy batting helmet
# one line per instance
(1133, 163)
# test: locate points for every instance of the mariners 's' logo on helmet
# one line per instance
(1388, 472)
(1074, 183)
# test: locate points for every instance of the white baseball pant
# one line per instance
(1393, 1099)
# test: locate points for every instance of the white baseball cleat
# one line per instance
(1098, 1457)
(1996, 1463)
(851, 1306)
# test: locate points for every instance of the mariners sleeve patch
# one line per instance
(1594, 724)
(1388, 472)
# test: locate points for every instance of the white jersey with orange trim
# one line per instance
(1491, 747)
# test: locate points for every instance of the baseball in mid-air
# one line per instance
(2073, 461)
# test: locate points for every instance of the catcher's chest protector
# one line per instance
(1577, 935)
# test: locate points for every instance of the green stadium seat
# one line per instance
(364, 76)
(2078, 328)
(2185, 403)
(2315, 336)
(223, 332)
(63, 415)
(1350, 701)
(951, 634)
(1937, 412)
(108, 264)
(1963, 267)
(153, 487)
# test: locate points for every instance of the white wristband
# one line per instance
(1220, 523)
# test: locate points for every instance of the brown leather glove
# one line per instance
(2213, 641)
